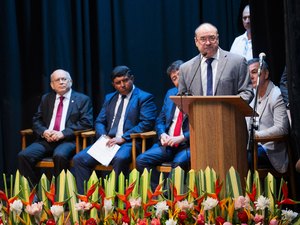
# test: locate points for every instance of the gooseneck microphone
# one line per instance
(261, 56)
(188, 92)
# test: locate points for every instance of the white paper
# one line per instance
(101, 152)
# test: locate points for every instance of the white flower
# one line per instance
(124, 223)
(57, 211)
(135, 202)
(171, 222)
(35, 210)
(160, 208)
(184, 205)
(210, 203)
(108, 206)
(16, 206)
(83, 206)
(262, 203)
(289, 215)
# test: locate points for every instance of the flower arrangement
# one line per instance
(202, 200)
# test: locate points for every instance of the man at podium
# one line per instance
(214, 71)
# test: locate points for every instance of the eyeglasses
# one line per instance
(211, 39)
(61, 79)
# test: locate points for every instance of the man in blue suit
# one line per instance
(171, 147)
(137, 115)
(55, 137)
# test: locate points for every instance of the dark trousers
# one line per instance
(84, 164)
(61, 152)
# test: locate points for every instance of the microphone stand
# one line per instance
(253, 126)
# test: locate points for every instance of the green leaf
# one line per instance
(233, 184)
(71, 190)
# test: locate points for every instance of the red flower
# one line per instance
(91, 221)
(200, 219)
(50, 222)
(155, 221)
(182, 216)
(243, 217)
(142, 221)
(220, 220)
(126, 219)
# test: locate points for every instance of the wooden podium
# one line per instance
(218, 132)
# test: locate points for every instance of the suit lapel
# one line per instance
(221, 66)
(197, 82)
(71, 105)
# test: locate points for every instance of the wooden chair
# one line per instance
(164, 167)
(143, 136)
(48, 161)
(289, 175)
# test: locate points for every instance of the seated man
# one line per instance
(60, 113)
(272, 119)
(137, 113)
(172, 129)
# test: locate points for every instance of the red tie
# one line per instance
(59, 114)
(177, 129)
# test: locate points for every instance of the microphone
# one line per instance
(188, 92)
(261, 56)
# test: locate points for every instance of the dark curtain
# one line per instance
(89, 38)
(276, 31)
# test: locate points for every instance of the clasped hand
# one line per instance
(53, 135)
(167, 140)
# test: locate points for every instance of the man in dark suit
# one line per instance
(59, 114)
(172, 146)
(137, 115)
(214, 71)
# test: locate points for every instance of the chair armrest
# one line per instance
(271, 138)
(264, 140)
(85, 136)
(77, 134)
(24, 134)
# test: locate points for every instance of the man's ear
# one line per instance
(131, 77)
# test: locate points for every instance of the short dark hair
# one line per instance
(120, 71)
(174, 66)
(264, 65)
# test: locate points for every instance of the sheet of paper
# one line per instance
(101, 152)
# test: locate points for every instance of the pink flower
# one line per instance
(258, 218)
(240, 202)
(35, 209)
(155, 221)
(273, 222)
(135, 202)
(227, 223)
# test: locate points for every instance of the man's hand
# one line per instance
(175, 141)
(53, 135)
(164, 138)
(116, 140)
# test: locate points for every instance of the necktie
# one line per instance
(59, 114)
(113, 130)
(177, 129)
(209, 90)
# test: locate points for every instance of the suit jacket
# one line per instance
(139, 116)
(273, 121)
(165, 118)
(231, 78)
(79, 115)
